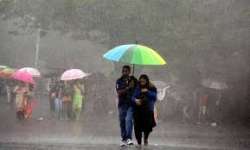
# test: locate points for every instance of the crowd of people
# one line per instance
(66, 99)
(136, 103)
(136, 100)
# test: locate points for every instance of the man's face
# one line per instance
(125, 72)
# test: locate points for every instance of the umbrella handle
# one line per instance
(133, 65)
(133, 69)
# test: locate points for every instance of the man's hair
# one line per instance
(126, 67)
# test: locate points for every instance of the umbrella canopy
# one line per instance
(134, 54)
(214, 84)
(73, 74)
(33, 71)
(3, 67)
(7, 73)
(23, 76)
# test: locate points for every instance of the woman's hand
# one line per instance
(144, 90)
(138, 102)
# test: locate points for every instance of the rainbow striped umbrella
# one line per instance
(134, 54)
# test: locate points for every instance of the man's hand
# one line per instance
(122, 91)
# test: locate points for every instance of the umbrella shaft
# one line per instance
(133, 69)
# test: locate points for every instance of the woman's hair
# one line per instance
(145, 77)
(148, 83)
(133, 79)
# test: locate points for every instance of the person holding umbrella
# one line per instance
(67, 101)
(78, 91)
(144, 100)
(72, 93)
(124, 90)
(23, 93)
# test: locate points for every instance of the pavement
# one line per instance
(101, 131)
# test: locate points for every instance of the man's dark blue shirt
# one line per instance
(123, 97)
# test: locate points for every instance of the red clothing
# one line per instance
(204, 100)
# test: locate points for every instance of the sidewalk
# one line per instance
(93, 130)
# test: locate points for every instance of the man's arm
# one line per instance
(120, 89)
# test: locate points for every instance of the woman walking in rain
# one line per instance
(21, 91)
(144, 100)
(78, 91)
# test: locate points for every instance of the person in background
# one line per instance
(29, 96)
(203, 109)
(21, 90)
(59, 99)
(77, 99)
(52, 94)
(125, 106)
(144, 100)
(8, 91)
(67, 101)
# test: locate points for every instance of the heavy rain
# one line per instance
(62, 75)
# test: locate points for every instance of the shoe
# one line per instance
(123, 143)
(130, 142)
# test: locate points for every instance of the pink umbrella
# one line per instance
(23, 76)
(33, 71)
(73, 74)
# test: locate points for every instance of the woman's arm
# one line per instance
(136, 95)
(152, 94)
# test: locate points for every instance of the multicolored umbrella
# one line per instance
(7, 73)
(23, 76)
(134, 54)
(3, 67)
(73, 74)
(33, 71)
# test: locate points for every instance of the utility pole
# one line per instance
(37, 47)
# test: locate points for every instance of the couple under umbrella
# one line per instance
(136, 102)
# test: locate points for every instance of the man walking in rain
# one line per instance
(125, 106)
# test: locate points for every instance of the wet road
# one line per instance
(14, 146)
(94, 133)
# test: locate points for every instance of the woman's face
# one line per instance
(143, 82)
